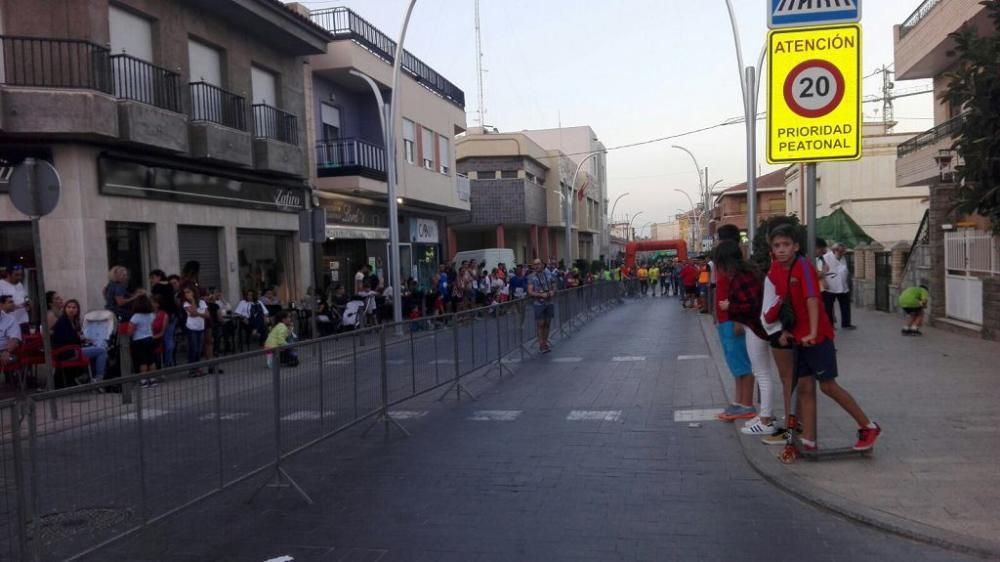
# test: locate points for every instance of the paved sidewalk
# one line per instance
(935, 473)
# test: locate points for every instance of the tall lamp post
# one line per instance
(569, 203)
(628, 233)
(611, 217)
(696, 231)
(702, 179)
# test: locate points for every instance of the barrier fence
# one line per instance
(80, 468)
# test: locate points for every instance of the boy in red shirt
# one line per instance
(812, 334)
(689, 278)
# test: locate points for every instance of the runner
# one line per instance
(689, 278)
(654, 278)
(643, 279)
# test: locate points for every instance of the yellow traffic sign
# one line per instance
(814, 94)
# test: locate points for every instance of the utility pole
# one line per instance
(888, 112)
(479, 70)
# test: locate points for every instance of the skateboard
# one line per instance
(793, 449)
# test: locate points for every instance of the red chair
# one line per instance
(70, 357)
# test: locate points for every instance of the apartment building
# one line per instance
(731, 205)
(577, 144)
(665, 231)
(963, 257)
(347, 154)
(175, 126)
(865, 189)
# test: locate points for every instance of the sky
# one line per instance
(633, 70)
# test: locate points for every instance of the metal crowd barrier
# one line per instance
(82, 467)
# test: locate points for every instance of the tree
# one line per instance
(974, 86)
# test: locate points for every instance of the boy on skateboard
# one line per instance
(812, 334)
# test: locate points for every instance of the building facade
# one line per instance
(590, 211)
(865, 189)
(964, 280)
(666, 231)
(347, 154)
(177, 135)
(731, 205)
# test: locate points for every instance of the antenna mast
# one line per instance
(479, 70)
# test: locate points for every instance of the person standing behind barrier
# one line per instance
(540, 289)
(196, 311)
(161, 289)
(143, 346)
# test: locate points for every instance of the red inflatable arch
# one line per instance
(651, 246)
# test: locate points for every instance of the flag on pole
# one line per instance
(583, 191)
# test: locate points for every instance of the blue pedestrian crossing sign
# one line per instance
(802, 13)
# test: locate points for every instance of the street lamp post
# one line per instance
(628, 233)
(702, 179)
(614, 205)
(569, 213)
(696, 231)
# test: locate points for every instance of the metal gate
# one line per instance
(967, 255)
(883, 275)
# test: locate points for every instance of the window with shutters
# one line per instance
(427, 147)
(409, 140)
(444, 155)
(330, 116)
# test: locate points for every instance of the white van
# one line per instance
(492, 257)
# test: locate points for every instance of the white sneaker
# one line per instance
(752, 421)
(757, 428)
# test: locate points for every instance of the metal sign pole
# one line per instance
(751, 128)
(36, 241)
(811, 210)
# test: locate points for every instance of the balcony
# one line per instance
(218, 127)
(922, 43)
(915, 164)
(56, 86)
(276, 141)
(149, 104)
(344, 24)
(350, 157)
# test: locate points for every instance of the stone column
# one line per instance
(860, 257)
(452, 244)
(534, 241)
(501, 242)
(546, 244)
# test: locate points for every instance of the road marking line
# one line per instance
(594, 415)
(443, 362)
(306, 415)
(510, 361)
(697, 415)
(338, 362)
(284, 558)
(397, 361)
(624, 358)
(495, 415)
(407, 414)
(691, 357)
(147, 414)
(224, 416)
(567, 359)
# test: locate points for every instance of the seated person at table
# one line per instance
(281, 334)
(253, 315)
(10, 332)
(270, 299)
(68, 330)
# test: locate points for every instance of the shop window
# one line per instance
(266, 263)
(201, 244)
(128, 246)
(15, 245)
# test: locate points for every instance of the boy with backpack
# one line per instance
(806, 325)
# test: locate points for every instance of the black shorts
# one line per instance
(818, 361)
(912, 310)
(775, 341)
(691, 289)
(143, 352)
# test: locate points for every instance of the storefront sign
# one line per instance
(352, 214)
(423, 231)
(129, 178)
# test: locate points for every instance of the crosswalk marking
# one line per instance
(691, 357)
(495, 415)
(697, 415)
(627, 358)
(147, 414)
(339, 362)
(225, 416)
(594, 415)
(306, 415)
(407, 414)
(567, 359)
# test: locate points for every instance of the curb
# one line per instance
(859, 513)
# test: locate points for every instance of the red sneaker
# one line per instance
(867, 437)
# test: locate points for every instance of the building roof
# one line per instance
(773, 180)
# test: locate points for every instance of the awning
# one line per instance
(356, 232)
(838, 226)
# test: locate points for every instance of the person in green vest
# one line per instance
(913, 301)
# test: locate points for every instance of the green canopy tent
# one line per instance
(838, 226)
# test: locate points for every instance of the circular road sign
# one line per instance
(34, 187)
(814, 88)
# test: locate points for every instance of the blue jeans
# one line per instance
(99, 358)
(196, 339)
(169, 345)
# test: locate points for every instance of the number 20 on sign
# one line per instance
(814, 94)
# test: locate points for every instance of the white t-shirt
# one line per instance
(20, 294)
(836, 273)
(196, 323)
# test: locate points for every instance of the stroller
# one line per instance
(353, 315)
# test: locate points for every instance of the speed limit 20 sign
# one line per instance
(814, 94)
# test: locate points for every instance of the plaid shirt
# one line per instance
(745, 300)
